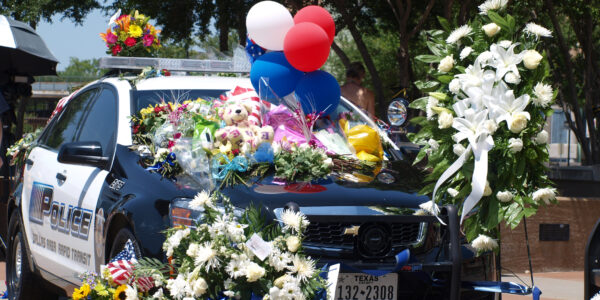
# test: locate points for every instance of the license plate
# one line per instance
(359, 286)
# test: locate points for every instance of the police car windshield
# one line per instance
(142, 99)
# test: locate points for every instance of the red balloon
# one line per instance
(306, 46)
(318, 15)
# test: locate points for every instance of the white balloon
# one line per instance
(267, 23)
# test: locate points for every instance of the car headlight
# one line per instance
(181, 213)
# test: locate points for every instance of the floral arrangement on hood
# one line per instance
(227, 255)
(130, 35)
(231, 140)
(483, 133)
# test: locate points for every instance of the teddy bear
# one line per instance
(240, 133)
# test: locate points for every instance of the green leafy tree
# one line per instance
(33, 11)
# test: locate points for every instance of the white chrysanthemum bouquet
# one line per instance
(483, 134)
(235, 256)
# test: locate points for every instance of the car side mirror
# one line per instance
(82, 153)
(397, 112)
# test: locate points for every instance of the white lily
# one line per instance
(504, 106)
(475, 94)
(113, 19)
(505, 60)
(471, 126)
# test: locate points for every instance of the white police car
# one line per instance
(83, 194)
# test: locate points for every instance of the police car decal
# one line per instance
(64, 218)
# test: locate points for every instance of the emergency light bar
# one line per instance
(238, 64)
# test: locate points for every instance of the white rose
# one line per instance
(445, 120)
(281, 280)
(446, 64)
(328, 162)
(518, 122)
(199, 287)
(545, 194)
(254, 272)
(292, 243)
(458, 149)
(487, 190)
(541, 138)
(504, 196)
(465, 52)
(490, 126)
(452, 192)
(532, 59)
(484, 243)
(512, 78)
(491, 29)
(515, 145)
(433, 144)
(454, 86)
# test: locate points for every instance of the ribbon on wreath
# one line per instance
(470, 126)
(170, 160)
(237, 164)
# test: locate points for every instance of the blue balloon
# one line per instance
(318, 91)
(281, 77)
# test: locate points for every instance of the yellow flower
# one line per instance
(138, 16)
(82, 292)
(135, 31)
(120, 289)
(101, 289)
(122, 36)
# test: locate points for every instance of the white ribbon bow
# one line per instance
(470, 126)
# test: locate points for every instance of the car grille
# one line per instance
(331, 234)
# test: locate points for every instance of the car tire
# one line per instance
(121, 238)
(21, 282)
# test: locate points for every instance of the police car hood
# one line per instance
(392, 192)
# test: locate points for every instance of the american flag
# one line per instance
(122, 265)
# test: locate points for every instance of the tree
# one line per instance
(32, 11)
(574, 56)
(574, 59)
(84, 68)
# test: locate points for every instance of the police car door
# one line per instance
(68, 216)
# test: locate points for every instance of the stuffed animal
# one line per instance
(239, 133)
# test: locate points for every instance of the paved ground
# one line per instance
(554, 286)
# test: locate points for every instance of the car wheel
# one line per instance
(119, 242)
(20, 280)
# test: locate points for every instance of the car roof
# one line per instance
(193, 83)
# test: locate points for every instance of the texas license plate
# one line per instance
(359, 286)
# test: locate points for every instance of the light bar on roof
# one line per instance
(238, 64)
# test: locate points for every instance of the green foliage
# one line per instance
(302, 165)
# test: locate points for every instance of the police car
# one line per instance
(84, 194)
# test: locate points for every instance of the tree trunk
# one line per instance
(364, 52)
(341, 54)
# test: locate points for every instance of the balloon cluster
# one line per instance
(295, 50)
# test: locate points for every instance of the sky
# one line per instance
(66, 39)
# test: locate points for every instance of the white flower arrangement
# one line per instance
(483, 134)
(237, 256)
